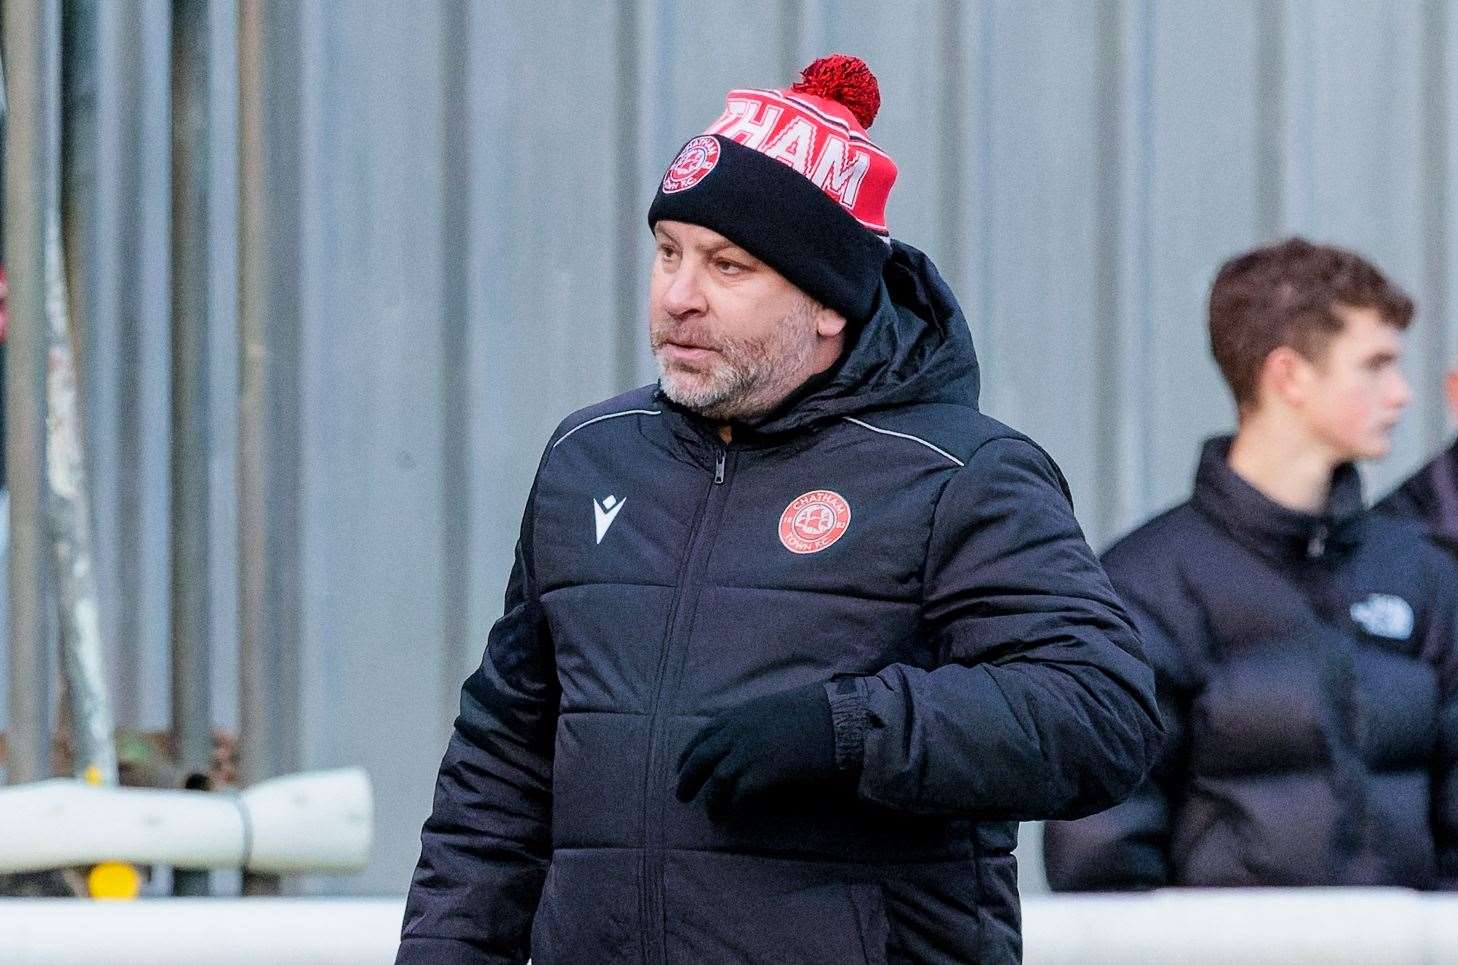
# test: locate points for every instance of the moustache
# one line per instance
(659, 336)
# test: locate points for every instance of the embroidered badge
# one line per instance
(1383, 615)
(692, 165)
(813, 521)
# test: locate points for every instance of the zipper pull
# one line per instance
(719, 467)
(1317, 545)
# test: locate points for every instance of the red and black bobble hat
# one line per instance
(791, 176)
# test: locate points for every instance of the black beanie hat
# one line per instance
(791, 177)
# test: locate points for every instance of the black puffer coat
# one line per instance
(1307, 669)
(1430, 499)
(982, 664)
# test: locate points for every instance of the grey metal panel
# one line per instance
(222, 572)
(1204, 204)
(1356, 175)
(122, 320)
(372, 406)
(1440, 310)
(1042, 333)
(927, 196)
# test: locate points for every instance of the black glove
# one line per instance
(780, 744)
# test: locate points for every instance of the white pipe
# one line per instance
(174, 931)
(1317, 926)
(316, 822)
(1255, 926)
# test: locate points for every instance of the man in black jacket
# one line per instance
(1430, 496)
(1305, 650)
(795, 637)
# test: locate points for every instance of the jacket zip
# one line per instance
(1316, 546)
(680, 620)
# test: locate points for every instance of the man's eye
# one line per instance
(666, 252)
(730, 267)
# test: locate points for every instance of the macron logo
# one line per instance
(605, 512)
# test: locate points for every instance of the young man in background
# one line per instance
(1304, 649)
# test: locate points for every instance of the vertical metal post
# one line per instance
(68, 502)
(32, 59)
(68, 511)
(268, 457)
(192, 714)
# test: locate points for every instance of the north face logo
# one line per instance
(1383, 615)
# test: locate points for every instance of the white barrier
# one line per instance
(320, 821)
(1319, 926)
(199, 931)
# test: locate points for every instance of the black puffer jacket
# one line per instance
(982, 664)
(1307, 669)
(1430, 499)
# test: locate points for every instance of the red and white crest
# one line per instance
(813, 521)
(692, 165)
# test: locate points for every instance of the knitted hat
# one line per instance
(791, 177)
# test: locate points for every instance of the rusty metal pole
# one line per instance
(32, 66)
(269, 48)
(192, 712)
(68, 502)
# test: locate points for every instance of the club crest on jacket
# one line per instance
(813, 521)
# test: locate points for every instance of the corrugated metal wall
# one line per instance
(471, 255)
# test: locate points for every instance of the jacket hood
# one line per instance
(915, 347)
(1267, 527)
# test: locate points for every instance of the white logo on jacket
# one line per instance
(605, 512)
(1384, 615)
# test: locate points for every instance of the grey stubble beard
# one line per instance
(751, 376)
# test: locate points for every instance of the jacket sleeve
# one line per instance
(486, 845)
(1039, 704)
(1127, 847)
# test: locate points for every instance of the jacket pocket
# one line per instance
(743, 908)
(589, 910)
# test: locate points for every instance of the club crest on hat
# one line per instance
(692, 165)
(813, 521)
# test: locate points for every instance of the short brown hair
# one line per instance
(1288, 294)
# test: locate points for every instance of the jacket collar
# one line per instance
(1270, 529)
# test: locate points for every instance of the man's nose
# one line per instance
(685, 292)
(1402, 392)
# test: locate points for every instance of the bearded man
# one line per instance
(795, 637)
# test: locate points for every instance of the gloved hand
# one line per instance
(779, 744)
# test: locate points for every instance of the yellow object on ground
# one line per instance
(114, 881)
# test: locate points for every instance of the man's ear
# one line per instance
(1285, 374)
(1451, 385)
(828, 322)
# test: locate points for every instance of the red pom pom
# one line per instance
(846, 80)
